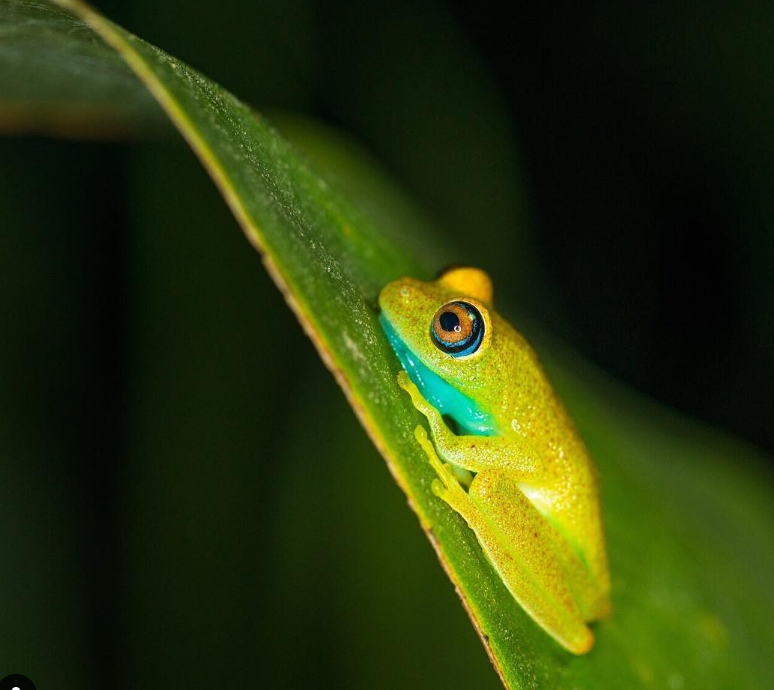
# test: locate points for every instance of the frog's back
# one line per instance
(567, 492)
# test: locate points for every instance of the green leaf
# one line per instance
(688, 512)
(58, 79)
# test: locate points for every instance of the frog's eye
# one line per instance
(457, 329)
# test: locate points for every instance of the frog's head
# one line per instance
(442, 334)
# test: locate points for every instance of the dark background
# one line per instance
(191, 502)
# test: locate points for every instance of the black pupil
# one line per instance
(450, 322)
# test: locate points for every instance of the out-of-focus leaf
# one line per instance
(58, 79)
(688, 512)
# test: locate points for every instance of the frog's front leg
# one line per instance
(520, 545)
(474, 453)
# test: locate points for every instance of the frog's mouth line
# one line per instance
(448, 400)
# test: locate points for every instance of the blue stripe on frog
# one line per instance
(470, 418)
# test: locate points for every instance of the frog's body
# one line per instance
(533, 501)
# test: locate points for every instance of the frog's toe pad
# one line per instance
(439, 489)
(449, 479)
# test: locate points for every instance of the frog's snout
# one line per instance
(397, 294)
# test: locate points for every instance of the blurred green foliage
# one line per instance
(135, 396)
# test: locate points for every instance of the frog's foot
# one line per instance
(447, 486)
(418, 400)
(404, 381)
(441, 433)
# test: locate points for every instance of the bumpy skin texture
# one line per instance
(534, 501)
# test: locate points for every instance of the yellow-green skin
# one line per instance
(534, 500)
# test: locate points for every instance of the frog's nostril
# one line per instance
(389, 296)
(399, 293)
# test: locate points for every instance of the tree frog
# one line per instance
(507, 456)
